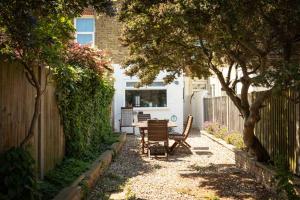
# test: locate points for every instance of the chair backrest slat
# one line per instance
(143, 117)
(188, 126)
(157, 130)
(126, 116)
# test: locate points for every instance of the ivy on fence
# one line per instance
(84, 101)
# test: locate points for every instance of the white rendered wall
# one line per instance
(193, 101)
(187, 96)
(174, 99)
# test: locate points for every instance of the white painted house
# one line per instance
(160, 100)
(174, 101)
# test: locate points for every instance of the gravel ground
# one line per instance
(206, 172)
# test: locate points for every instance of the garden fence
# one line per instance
(278, 129)
(16, 110)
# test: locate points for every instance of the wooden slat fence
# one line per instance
(278, 129)
(16, 110)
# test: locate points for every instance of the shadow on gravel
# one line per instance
(226, 181)
(204, 153)
(200, 148)
(128, 164)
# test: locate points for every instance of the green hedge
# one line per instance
(84, 101)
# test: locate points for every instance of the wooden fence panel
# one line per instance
(16, 107)
(220, 110)
(16, 110)
(235, 121)
(208, 112)
(54, 141)
(278, 129)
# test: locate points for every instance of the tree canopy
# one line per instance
(38, 30)
(36, 33)
(258, 39)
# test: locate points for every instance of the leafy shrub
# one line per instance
(17, 179)
(222, 132)
(216, 129)
(84, 101)
(284, 179)
(84, 97)
(235, 139)
(62, 176)
(211, 127)
(86, 57)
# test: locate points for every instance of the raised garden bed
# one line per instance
(80, 175)
(264, 174)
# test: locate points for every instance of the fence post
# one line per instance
(227, 112)
(41, 125)
(297, 138)
(213, 109)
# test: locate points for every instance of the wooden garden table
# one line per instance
(144, 125)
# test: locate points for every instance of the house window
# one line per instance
(85, 31)
(146, 98)
(154, 84)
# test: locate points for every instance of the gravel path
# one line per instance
(207, 172)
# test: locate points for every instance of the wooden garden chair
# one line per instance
(158, 132)
(180, 139)
(127, 118)
(143, 117)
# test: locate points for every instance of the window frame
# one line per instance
(145, 89)
(85, 33)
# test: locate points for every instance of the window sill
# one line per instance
(149, 108)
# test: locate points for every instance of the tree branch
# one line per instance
(229, 73)
(46, 80)
(29, 79)
(257, 104)
(36, 111)
(229, 91)
(235, 82)
(254, 70)
(251, 47)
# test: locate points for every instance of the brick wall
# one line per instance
(88, 11)
(107, 34)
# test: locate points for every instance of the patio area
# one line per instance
(206, 172)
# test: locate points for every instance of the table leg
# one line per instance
(143, 140)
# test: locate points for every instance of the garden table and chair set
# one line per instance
(156, 131)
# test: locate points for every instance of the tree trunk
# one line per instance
(251, 141)
(33, 79)
(35, 117)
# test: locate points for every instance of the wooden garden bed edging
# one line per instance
(264, 174)
(79, 188)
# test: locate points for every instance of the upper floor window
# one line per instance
(85, 31)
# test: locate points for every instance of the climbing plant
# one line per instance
(84, 96)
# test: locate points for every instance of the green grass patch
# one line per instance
(62, 176)
(69, 170)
